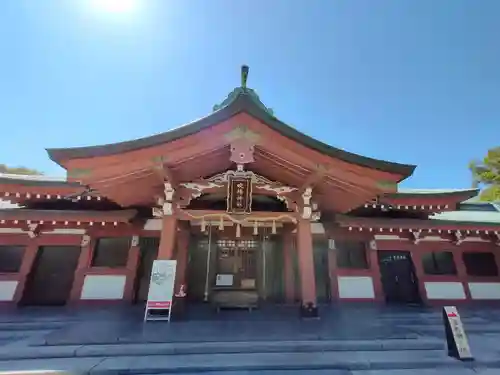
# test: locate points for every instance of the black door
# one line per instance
(398, 277)
(149, 252)
(51, 277)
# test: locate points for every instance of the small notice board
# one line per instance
(161, 290)
(458, 345)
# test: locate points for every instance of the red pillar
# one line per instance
(288, 264)
(332, 271)
(26, 265)
(132, 263)
(81, 268)
(167, 239)
(306, 267)
(462, 271)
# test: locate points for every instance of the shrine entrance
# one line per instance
(237, 263)
(235, 272)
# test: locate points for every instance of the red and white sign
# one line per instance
(161, 288)
(458, 345)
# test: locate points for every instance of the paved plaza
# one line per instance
(351, 339)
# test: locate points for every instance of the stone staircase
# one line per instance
(350, 342)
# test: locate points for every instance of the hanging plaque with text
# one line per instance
(239, 195)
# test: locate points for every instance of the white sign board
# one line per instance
(458, 345)
(224, 280)
(161, 288)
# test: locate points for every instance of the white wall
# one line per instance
(103, 287)
(356, 287)
(485, 290)
(7, 290)
(444, 290)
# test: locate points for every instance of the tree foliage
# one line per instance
(486, 174)
(18, 170)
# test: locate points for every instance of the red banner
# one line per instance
(159, 305)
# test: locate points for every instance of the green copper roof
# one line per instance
(243, 90)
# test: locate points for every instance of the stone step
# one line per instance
(31, 326)
(119, 350)
(361, 360)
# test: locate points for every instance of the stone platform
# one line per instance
(347, 339)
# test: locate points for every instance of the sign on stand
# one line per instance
(456, 339)
(161, 290)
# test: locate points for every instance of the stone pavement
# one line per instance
(351, 339)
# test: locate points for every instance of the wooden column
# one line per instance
(132, 263)
(416, 257)
(26, 266)
(306, 267)
(462, 271)
(167, 239)
(375, 268)
(83, 264)
(288, 264)
(182, 257)
(332, 270)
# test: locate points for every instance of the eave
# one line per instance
(65, 217)
(397, 225)
(428, 200)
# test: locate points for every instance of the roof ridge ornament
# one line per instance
(243, 90)
(244, 76)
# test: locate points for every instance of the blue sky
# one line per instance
(408, 81)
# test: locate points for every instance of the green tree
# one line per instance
(486, 174)
(18, 170)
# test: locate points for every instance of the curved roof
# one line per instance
(435, 193)
(240, 100)
(35, 180)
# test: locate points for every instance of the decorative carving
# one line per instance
(135, 241)
(33, 230)
(278, 189)
(307, 195)
(497, 241)
(200, 186)
(306, 200)
(459, 237)
(315, 216)
(165, 202)
(169, 191)
(373, 245)
(242, 132)
(85, 240)
(416, 237)
(157, 212)
(242, 151)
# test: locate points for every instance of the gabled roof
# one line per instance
(242, 99)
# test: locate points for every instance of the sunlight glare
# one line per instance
(115, 6)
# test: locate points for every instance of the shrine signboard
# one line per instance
(161, 290)
(239, 195)
(456, 339)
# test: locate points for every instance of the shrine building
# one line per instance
(253, 211)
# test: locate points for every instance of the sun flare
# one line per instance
(115, 6)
